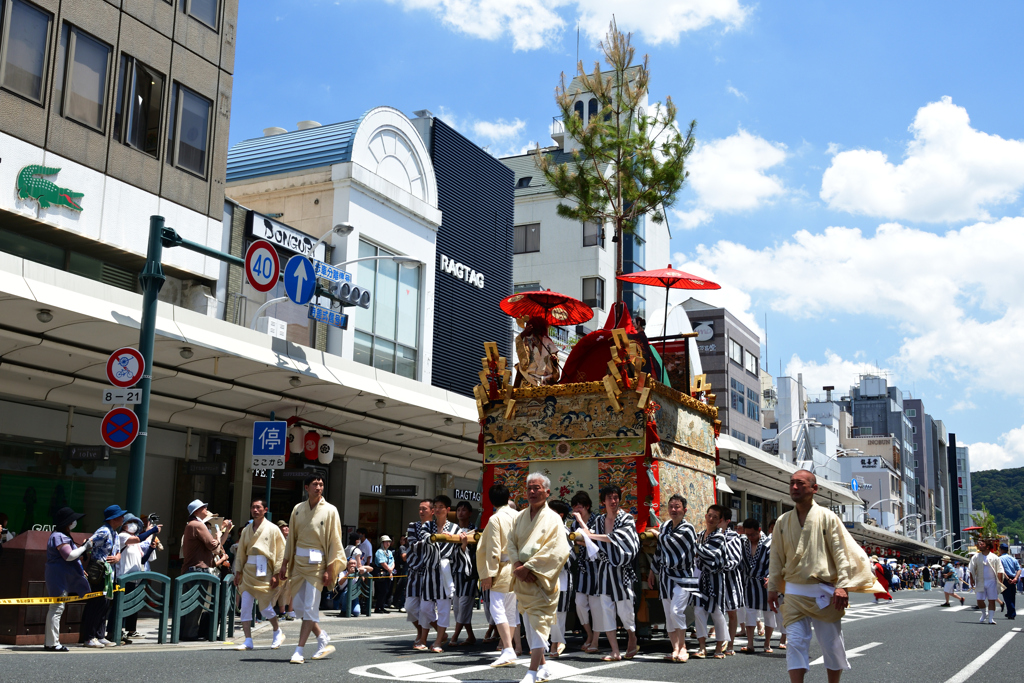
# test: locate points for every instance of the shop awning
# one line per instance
(768, 475)
(232, 377)
(877, 536)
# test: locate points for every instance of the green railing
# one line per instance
(192, 591)
(362, 587)
(227, 608)
(152, 593)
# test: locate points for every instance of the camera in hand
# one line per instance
(154, 518)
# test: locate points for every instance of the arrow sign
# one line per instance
(119, 428)
(299, 279)
(854, 485)
(850, 654)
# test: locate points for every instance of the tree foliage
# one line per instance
(629, 162)
(1001, 492)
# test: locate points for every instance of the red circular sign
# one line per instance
(125, 367)
(311, 445)
(119, 428)
(262, 266)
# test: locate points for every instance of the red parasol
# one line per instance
(669, 278)
(554, 308)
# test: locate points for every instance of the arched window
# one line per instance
(592, 109)
(578, 109)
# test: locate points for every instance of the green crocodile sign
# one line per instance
(32, 185)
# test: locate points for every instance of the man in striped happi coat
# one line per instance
(565, 586)
(734, 576)
(465, 575)
(711, 561)
(585, 586)
(613, 546)
(757, 551)
(438, 584)
(673, 564)
(417, 537)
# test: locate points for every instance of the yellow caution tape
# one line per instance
(55, 601)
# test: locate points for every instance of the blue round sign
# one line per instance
(299, 279)
(119, 428)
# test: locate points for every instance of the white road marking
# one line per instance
(972, 668)
(850, 654)
(957, 608)
(415, 671)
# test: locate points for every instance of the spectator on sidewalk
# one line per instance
(106, 552)
(401, 569)
(384, 566)
(364, 546)
(1012, 570)
(198, 550)
(65, 574)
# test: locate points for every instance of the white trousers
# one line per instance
(675, 609)
(412, 608)
(583, 608)
(604, 609)
(557, 628)
(532, 637)
(247, 601)
(53, 623)
(435, 610)
(503, 608)
(750, 617)
(306, 602)
(830, 639)
(700, 618)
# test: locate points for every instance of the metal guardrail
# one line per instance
(203, 595)
(227, 608)
(143, 596)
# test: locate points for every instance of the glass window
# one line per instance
(205, 11)
(526, 238)
(82, 70)
(393, 315)
(578, 109)
(593, 292)
(526, 287)
(750, 361)
(24, 47)
(140, 92)
(753, 442)
(753, 410)
(592, 109)
(523, 182)
(865, 431)
(737, 402)
(593, 235)
(189, 130)
(911, 412)
(737, 434)
(735, 351)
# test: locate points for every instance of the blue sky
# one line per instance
(858, 177)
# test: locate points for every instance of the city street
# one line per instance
(913, 639)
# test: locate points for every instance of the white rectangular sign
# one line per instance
(122, 396)
(268, 462)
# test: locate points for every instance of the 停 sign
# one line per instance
(268, 439)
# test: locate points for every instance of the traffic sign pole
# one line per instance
(152, 280)
(270, 475)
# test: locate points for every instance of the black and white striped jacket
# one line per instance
(567, 598)
(584, 567)
(674, 558)
(614, 574)
(432, 584)
(734, 570)
(416, 536)
(711, 563)
(464, 567)
(756, 561)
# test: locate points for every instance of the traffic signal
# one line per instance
(348, 294)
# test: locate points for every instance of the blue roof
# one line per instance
(293, 151)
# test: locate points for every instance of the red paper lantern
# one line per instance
(311, 445)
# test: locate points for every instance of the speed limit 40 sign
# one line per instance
(262, 266)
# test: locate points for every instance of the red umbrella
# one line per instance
(554, 308)
(669, 278)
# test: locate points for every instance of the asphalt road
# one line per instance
(912, 640)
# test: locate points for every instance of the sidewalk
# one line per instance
(376, 625)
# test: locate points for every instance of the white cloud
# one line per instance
(500, 137)
(833, 149)
(534, 24)
(955, 298)
(730, 175)
(733, 91)
(950, 172)
(500, 131)
(835, 371)
(1009, 452)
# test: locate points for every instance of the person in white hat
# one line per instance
(384, 559)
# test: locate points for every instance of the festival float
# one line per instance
(610, 415)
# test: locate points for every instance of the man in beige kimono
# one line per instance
(816, 564)
(492, 560)
(538, 549)
(258, 559)
(313, 559)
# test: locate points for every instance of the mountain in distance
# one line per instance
(1002, 491)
